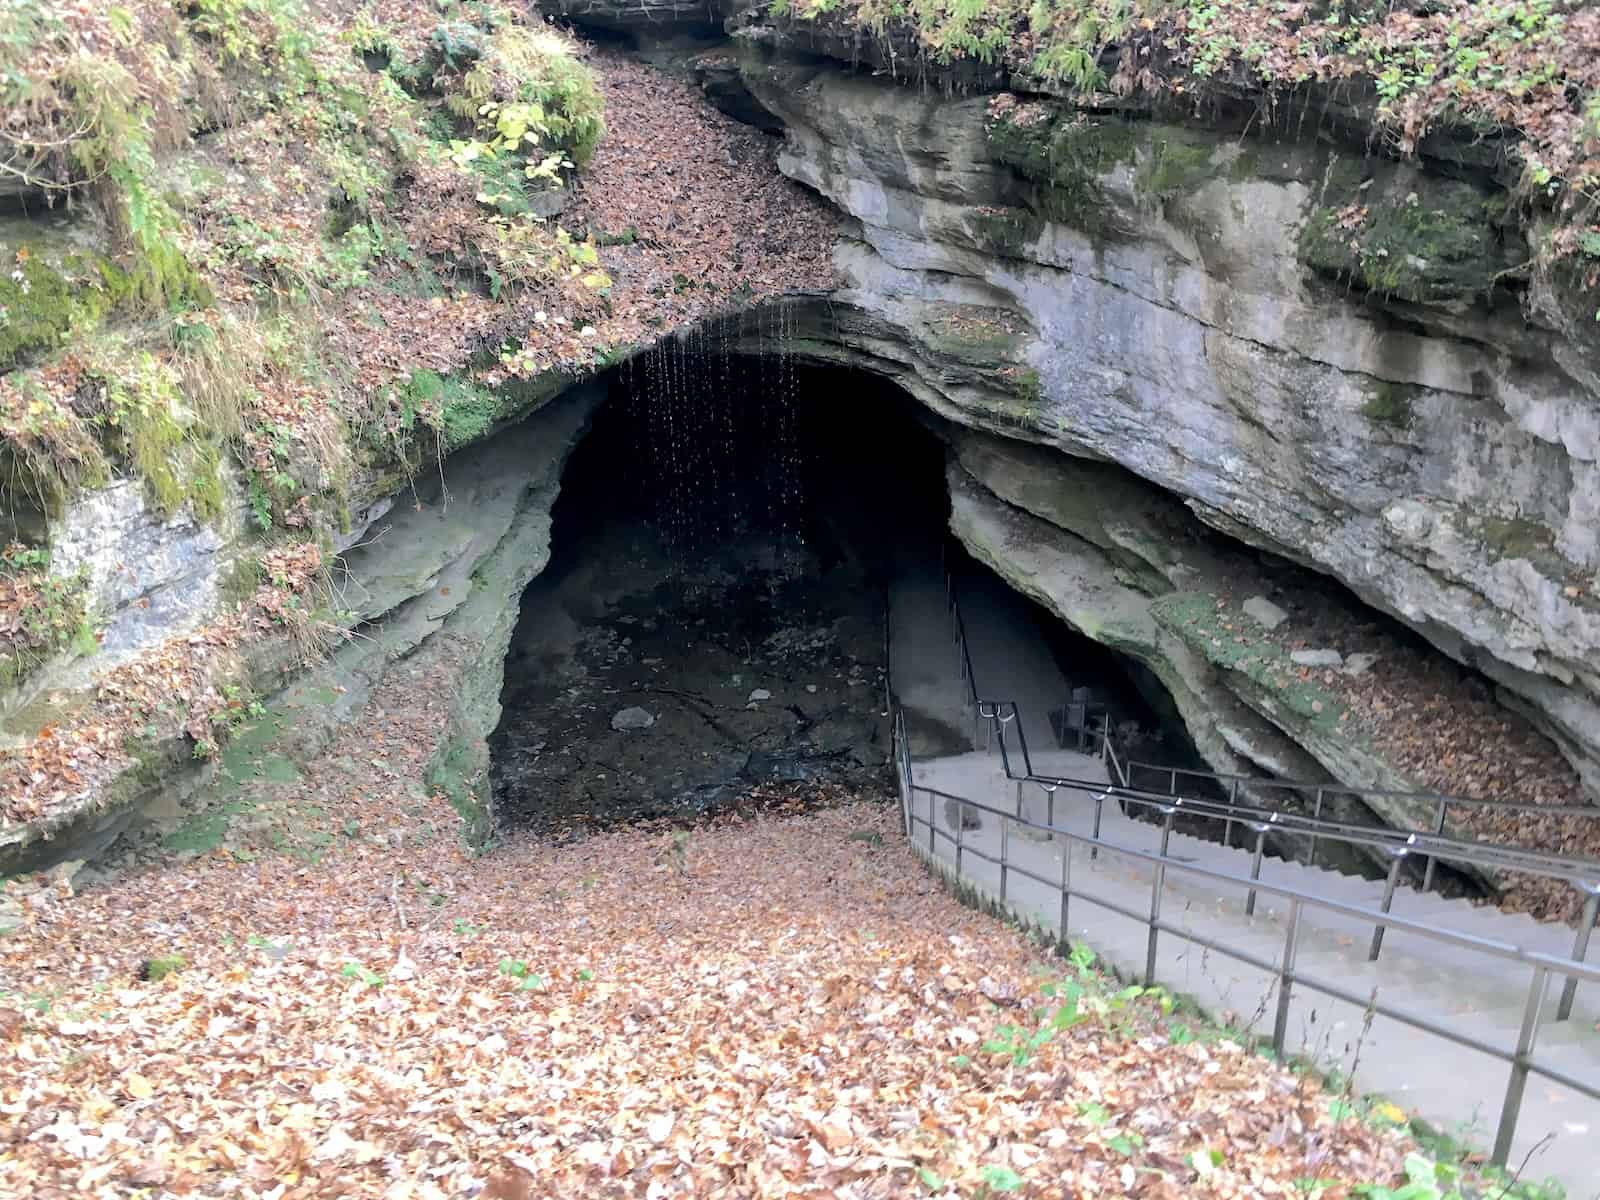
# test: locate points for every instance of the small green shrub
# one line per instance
(155, 970)
(529, 78)
(49, 612)
(354, 970)
(1389, 404)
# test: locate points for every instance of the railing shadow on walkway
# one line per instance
(996, 723)
(1000, 720)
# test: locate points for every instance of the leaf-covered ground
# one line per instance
(781, 1004)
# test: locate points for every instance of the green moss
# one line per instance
(157, 969)
(1006, 231)
(976, 334)
(1516, 537)
(1027, 385)
(1436, 249)
(240, 581)
(1174, 163)
(457, 409)
(450, 777)
(1066, 154)
(1520, 538)
(144, 422)
(203, 832)
(205, 491)
(41, 302)
(1389, 404)
(1232, 641)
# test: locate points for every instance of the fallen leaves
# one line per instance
(187, 684)
(801, 1015)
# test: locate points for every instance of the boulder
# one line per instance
(630, 719)
(1316, 658)
(1264, 613)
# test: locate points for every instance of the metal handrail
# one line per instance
(1003, 713)
(1521, 1058)
(1549, 810)
(1486, 854)
(1581, 874)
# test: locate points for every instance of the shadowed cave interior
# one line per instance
(711, 625)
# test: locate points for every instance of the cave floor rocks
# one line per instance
(645, 682)
(771, 1005)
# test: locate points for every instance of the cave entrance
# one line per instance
(711, 622)
(744, 550)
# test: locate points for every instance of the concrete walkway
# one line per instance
(1457, 1089)
(922, 658)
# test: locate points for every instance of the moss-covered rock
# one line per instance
(1443, 247)
(1005, 232)
(1389, 404)
(41, 300)
(1174, 161)
(459, 774)
(1232, 641)
(1064, 153)
(144, 422)
(977, 334)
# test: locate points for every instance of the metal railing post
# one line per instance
(1397, 856)
(1316, 815)
(1511, 1106)
(1233, 803)
(932, 824)
(1433, 859)
(1066, 885)
(1099, 807)
(1255, 866)
(1157, 882)
(1580, 947)
(1280, 1023)
(961, 821)
(1005, 867)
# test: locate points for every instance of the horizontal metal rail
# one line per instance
(1483, 854)
(1001, 714)
(1581, 812)
(994, 716)
(1543, 966)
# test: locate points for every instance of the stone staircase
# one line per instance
(1457, 1086)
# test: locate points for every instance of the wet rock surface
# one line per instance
(645, 685)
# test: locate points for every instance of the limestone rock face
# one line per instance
(451, 561)
(149, 577)
(1292, 339)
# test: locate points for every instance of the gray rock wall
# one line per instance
(1188, 305)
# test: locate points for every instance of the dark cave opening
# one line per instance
(712, 625)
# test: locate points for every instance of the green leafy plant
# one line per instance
(155, 970)
(354, 970)
(1000, 1179)
(50, 611)
(518, 969)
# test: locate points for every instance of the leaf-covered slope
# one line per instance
(780, 1004)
